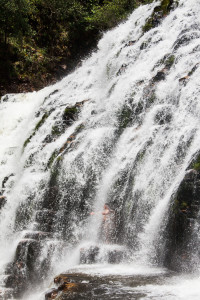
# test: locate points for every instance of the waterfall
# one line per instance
(121, 129)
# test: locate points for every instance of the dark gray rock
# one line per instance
(183, 214)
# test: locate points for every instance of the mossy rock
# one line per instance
(169, 61)
(193, 69)
(159, 12)
(195, 163)
(52, 158)
(125, 117)
(38, 125)
(70, 112)
(58, 153)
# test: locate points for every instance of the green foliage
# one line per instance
(14, 18)
(38, 35)
(108, 15)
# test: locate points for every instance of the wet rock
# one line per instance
(8, 268)
(163, 116)
(37, 235)
(115, 256)
(69, 116)
(185, 39)
(45, 220)
(184, 80)
(51, 294)
(67, 285)
(159, 76)
(181, 239)
(6, 179)
(2, 201)
(89, 255)
(38, 125)
(130, 43)
(6, 294)
(26, 253)
(159, 12)
(60, 279)
(10, 281)
(24, 213)
(66, 146)
(194, 69)
(52, 93)
(24, 269)
(122, 69)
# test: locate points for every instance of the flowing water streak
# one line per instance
(137, 167)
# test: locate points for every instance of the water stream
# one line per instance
(121, 129)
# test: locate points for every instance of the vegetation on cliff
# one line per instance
(41, 41)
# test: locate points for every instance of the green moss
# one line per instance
(27, 141)
(170, 61)
(79, 128)
(164, 7)
(125, 117)
(55, 155)
(55, 130)
(196, 166)
(38, 125)
(159, 12)
(54, 174)
(148, 25)
(195, 163)
(152, 98)
(193, 69)
(41, 122)
(52, 158)
(70, 111)
(179, 205)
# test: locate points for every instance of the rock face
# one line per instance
(23, 269)
(181, 226)
(27, 268)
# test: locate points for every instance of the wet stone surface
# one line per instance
(77, 286)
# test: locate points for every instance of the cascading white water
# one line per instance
(136, 165)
